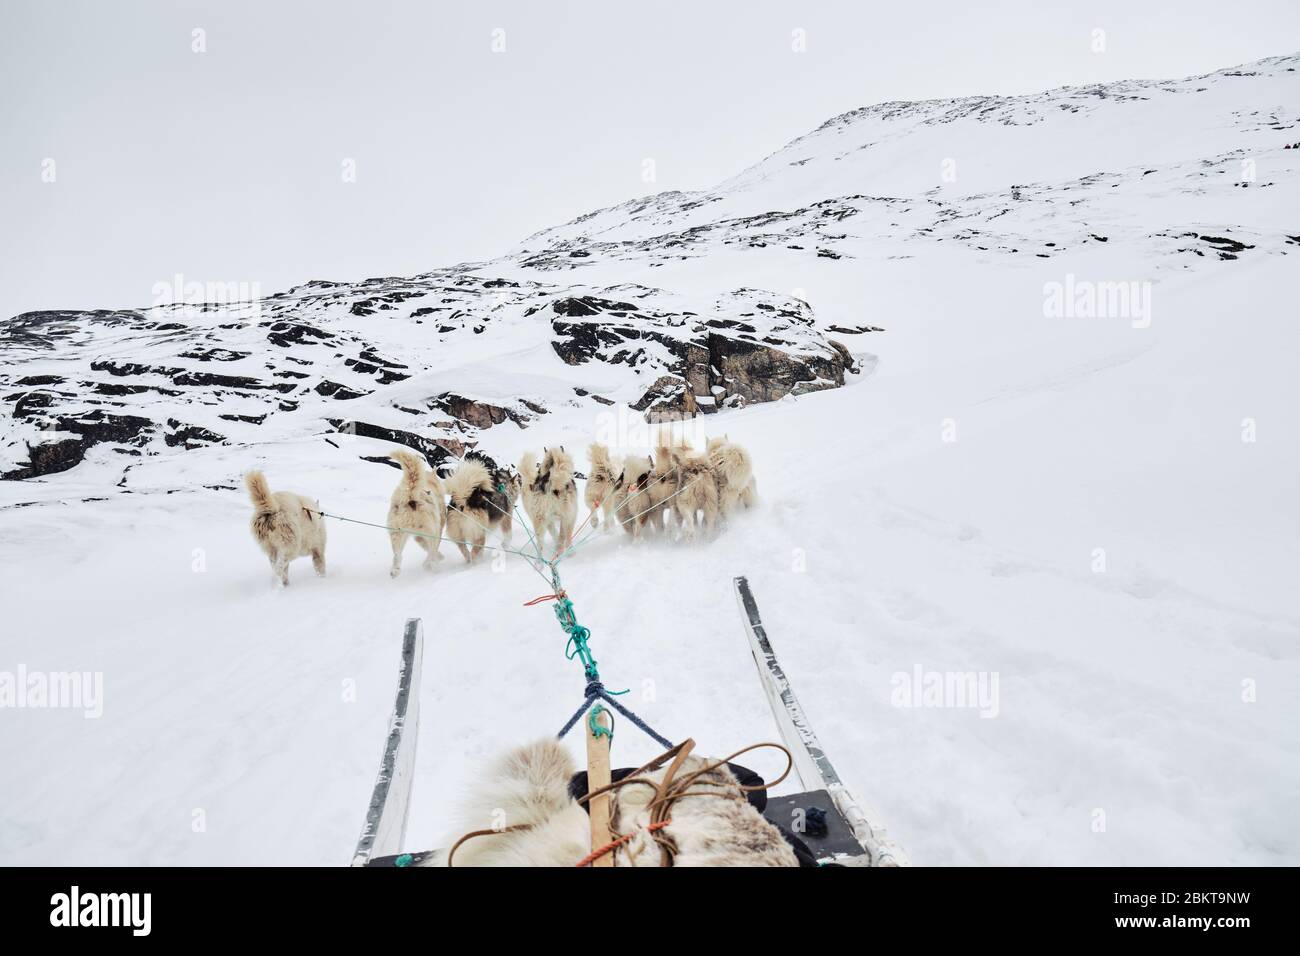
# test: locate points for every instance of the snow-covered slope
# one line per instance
(1096, 508)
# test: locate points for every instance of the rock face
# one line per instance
(750, 347)
(329, 356)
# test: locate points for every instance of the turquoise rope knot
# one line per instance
(597, 729)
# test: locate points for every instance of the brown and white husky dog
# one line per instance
(733, 470)
(286, 526)
(633, 505)
(696, 500)
(599, 491)
(481, 497)
(417, 509)
(550, 496)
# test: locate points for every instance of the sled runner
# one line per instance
(852, 834)
(825, 819)
(385, 827)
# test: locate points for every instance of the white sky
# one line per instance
(225, 166)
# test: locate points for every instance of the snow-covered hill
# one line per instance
(959, 472)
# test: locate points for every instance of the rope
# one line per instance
(612, 845)
(579, 636)
(417, 534)
(595, 531)
(667, 792)
(596, 691)
(594, 725)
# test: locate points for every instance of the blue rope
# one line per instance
(577, 647)
(596, 691)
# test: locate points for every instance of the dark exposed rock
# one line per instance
(289, 334)
(335, 390)
(121, 369)
(117, 388)
(90, 429)
(435, 451)
(40, 380)
(215, 355)
(229, 381)
(190, 436)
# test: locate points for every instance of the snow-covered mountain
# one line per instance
(1018, 377)
(1172, 175)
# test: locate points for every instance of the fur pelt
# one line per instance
(733, 470)
(713, 825)
(286, 526)
(598, 493)
(550, 496)
(528, 787)
(417, 505)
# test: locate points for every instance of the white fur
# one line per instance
(550, 497)
(733, 470)
(696, 501)
(467, 525)
(417, 505)
(528, 787)
(286, 526)
(599, 493)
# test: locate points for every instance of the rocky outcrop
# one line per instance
(755, 348)
(168, 380)
(60, 454)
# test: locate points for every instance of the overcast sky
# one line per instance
(227, 165)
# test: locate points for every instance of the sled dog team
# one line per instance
(676, 492)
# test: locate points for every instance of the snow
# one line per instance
(879, 545)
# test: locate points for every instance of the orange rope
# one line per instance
(615, 844)
(574, 533)
(541, 600)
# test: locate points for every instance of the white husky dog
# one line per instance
(734, 472)
(286, 526)
(696, 500)
(599, 491)
(663, 481)
(633, 505)
(468, 519)
(550, 496)
(418, 505)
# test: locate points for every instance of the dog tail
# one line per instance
(412, 471)
(732, 461)
(528, 467)
(471, 476)
(260, 492)
(599, 455)
(561, 472)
